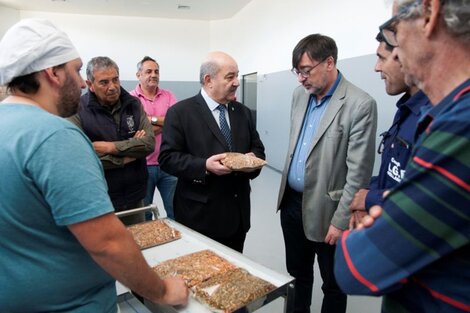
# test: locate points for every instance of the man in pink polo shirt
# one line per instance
(156, 102)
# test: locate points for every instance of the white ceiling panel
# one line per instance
(174, 9)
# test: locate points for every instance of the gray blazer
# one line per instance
(340, 160)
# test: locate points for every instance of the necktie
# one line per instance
(224, 125)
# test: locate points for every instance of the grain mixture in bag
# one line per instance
(153, 233)
(242, 162)
(231, 290)
(194, 268)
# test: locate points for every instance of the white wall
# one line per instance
(7, 18)
(262, 35)
(178, 45)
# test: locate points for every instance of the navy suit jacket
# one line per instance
(215, 206)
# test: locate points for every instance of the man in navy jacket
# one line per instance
(121, 133)
(397, 142)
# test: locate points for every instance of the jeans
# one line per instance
(300, 258)
(166, 185)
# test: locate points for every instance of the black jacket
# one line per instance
(215, 206)
(126, 185)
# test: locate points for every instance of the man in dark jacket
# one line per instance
(397, 142)
(209, 197)
(122, 136)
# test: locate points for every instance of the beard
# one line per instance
(69, 98)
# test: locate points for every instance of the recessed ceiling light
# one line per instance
(183, 7)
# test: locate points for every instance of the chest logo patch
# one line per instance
(394, 170)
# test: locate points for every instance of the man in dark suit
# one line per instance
(209, 197)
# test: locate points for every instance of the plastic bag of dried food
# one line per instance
(232, 290)
(153, 233)
(242, 162)
(194, 268)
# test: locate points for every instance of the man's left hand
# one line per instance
(374, 213)
(157, 130)
(333, 235)
(358, 202)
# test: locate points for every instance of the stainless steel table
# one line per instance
(192, 241)
(127, 303)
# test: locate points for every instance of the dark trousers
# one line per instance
(300, 259)
(134, 218)
(236, 241)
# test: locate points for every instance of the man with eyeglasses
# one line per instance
(416, 249)
(330, 157)
(397, 142)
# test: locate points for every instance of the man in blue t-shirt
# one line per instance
(62, 246)
(397, 142)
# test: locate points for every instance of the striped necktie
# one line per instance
(224, 125)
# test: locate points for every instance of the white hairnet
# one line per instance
(32, 45)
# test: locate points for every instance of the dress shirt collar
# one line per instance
(413, 103)
(210, 102)
(330, 92)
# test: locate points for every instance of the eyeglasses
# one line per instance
(305, 73)
(388, 30)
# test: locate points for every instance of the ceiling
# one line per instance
(198, 9)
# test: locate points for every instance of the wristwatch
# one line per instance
(154, 120)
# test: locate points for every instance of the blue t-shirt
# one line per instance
(50, 178)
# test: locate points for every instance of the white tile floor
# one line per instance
(265, 245)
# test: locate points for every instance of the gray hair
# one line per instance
(99, 63)
(455, 14)
(145, 59)
(210, 68)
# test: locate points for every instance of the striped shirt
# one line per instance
(418, 254)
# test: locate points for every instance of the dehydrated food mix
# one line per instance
(194, 268)
(242, 162)
(153, 233)
(231, 290)
(216, 283)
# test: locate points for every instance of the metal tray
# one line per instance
(192, 241)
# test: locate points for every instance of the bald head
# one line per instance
(219, 76)
(219, 57)
(213, 62)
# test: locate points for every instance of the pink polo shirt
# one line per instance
(158, 106)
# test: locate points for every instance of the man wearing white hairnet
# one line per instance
(61, 242)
